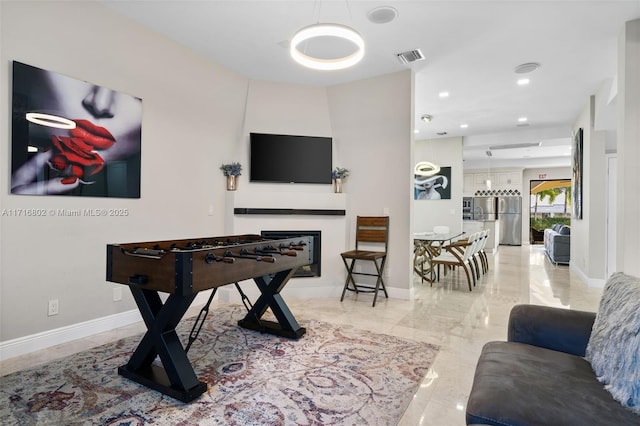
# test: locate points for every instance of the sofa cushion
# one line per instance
(520, 384)
(564, 230)
(614, 346)
(556, 226)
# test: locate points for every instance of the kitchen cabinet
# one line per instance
(471, 226)
(500, 180)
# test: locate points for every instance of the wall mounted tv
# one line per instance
(290, 159)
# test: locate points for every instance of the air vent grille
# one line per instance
(410, 56)
(515, 146)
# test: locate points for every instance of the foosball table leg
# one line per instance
(270, 287)
(175, 377)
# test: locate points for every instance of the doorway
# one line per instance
(550, 203)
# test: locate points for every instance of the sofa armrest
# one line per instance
(558, 329)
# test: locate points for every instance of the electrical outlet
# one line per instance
(117, 294)
(53, 307)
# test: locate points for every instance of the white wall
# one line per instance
(196, 116)
(588, 235)
(192, 110)
(628, 200)
(372, 126)
(295, 110)
(446, 152)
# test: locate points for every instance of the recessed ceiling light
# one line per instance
(426, 118)
(416, 131)
(526, 68)
(523, 81)
(522, 119)
(464, 126)
(443, 94)
(382, 14)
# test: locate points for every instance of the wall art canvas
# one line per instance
(577, 178)
(71, 137)
(436, 187)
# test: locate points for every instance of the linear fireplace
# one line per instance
(312, 270)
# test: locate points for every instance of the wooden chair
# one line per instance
(482, 254)
(370, 231)
(460, 254)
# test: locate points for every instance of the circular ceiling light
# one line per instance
(425, 168)
(382, 14)
(526, 68)
(327, 30)
(426, 118)
(50, 120)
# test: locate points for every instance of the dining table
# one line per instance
(427, 246)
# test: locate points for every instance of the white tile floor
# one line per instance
(447, 314)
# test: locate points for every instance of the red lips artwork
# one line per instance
(76, 156)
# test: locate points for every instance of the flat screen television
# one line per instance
(290, 159)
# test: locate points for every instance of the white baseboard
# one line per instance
(590, 282)
(49, 338)
(46, 339)
(228, 294)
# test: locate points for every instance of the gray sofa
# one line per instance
(544, 374)
(557, 243)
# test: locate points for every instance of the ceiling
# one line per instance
(471, 49)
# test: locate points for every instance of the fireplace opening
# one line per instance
(312, 270)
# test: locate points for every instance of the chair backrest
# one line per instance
(485, 238)
(470, 249)
(372, 229)
(441, 229)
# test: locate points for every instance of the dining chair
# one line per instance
(482, 255)
(459, 253)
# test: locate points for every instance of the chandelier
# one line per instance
(300, 42)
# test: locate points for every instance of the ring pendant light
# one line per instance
(327, 30)
(50, 120)
(426, 168)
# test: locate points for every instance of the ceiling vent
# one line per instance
(515, 146)
(410, 56)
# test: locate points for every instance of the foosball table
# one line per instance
(182, 269)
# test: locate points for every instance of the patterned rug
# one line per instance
(333, 375)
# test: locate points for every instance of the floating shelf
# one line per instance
(308, 212)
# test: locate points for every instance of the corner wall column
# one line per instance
(628, 202)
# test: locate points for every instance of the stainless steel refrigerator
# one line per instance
(484, 208)
(510, 217)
